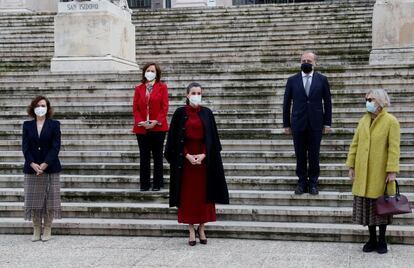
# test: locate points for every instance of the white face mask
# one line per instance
(40, 111)
(195, 99)
(150, 76)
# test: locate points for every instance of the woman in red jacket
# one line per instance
(150, 110)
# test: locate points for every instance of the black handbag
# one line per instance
(392, 205)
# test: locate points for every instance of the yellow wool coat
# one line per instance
(375, 150)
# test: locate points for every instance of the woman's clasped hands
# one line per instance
(150, 124)
(195, 159)
(39, 169)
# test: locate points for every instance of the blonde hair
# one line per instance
(381, 96)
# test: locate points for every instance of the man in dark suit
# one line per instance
(311, 116)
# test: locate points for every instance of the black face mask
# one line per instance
(306, 67)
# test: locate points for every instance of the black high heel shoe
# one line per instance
(202, 241)
(194, 242)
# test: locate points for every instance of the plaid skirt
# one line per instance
(364, 212)
(42, 196)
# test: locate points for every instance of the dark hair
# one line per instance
(144, 69)
(189, 87)
(33, 104)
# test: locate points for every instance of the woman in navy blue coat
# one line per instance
(41, 146)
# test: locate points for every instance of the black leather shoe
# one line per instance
(144, 189)
(313, 191)
(382, 247)
(156, 189)
(370, 246)
(299, 189)
(192, 243)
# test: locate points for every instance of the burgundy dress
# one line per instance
(193, 207)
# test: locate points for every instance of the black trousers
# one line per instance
(152, 142)
(307, 145)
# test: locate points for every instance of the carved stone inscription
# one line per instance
(82, 6)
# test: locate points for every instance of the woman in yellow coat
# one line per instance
(373, 161)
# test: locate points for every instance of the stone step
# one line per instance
(131, 144)
(240, 80)
(224, 229)
(341, 99)
(231, 169)
(341, 91)
(355, 56)
(279, 156)
(237, 197)
(221, 17)
(283, 34)
(226, 119)
(235, 145)
(250, 49)
(373, 73)
(280, 39)
(224, 212)
(225, 133)
(257, 20)
(349, 94)
(263, 183)
(221, 31)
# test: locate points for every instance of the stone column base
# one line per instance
(390, 56)
(96, 64)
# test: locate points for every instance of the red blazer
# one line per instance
(158, 107)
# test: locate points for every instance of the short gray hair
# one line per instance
(381, 96)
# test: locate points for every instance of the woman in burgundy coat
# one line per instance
(197, 179)
(150, 110)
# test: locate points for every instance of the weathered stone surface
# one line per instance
(17, 6)
(392, 32)
(188, 3)
(93, 36)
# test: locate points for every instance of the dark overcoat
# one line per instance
(216, 187)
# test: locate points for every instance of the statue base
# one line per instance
(93, 36)
(392, 32)
(390, 56)
(95, 64)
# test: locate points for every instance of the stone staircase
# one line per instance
(242, 56)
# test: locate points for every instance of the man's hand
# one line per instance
(287, 130)
(327, 130)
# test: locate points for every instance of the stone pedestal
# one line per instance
(188, 3)
(95, 36)
(28, 5)
(393, 32)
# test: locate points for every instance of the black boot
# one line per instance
(382, 243)
(372, 243)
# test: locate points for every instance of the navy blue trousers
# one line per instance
(307, 146)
